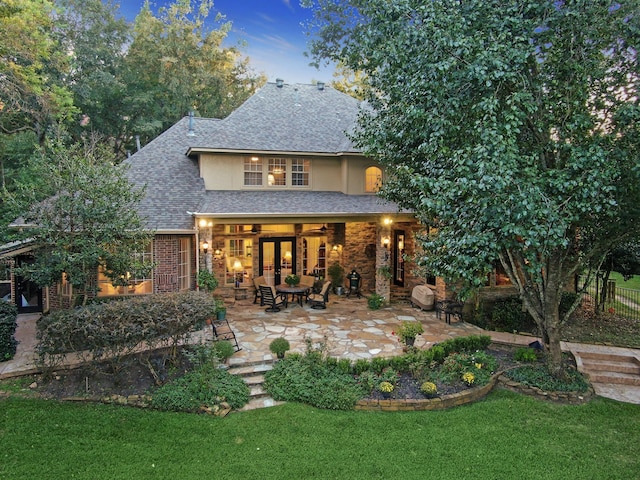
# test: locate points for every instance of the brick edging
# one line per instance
(438, 403)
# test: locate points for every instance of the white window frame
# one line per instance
(276, 172)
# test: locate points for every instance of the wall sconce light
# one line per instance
(387, 221)
(205, 246)
(218, 253)
(385, 242)
(334, 248)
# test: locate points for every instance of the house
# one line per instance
(277, 187)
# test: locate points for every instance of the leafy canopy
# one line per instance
(510, 128)
(88, 218)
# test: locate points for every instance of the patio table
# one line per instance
(294, 290)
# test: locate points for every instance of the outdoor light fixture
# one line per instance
(387, 221)
(385, 242)
(205, 246)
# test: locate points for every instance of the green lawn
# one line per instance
(633, 282)
(506, 436)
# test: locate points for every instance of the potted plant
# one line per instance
(279, 346)
(292, 279)
(408, 331)
(207, 280)
(336, 273)
(221, 309)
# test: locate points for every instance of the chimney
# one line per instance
(137, 143)
(279, 82)
(191, 132)
(320, 86)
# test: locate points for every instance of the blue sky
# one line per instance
(272, 29)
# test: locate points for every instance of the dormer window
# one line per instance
(279, 172)
(372, 180)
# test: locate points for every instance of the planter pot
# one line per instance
(280, 355)
(339, 291)
(409, 341)
(221, 314)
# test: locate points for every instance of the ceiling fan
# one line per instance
(322, 229)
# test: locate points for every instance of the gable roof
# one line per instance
(290, 118)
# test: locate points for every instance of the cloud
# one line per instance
(288, 4)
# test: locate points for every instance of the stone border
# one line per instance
(473, 395)
(437, 403)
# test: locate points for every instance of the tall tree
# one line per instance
(512, 127)
(30, 64)
(87, 220)
(96, 39)
(176, 63)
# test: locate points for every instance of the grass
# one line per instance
(503, 437)
(633, 283)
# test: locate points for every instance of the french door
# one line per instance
(277, 259)
(28, 294)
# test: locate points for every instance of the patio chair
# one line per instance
(307, 281)
(450, 309)
(319, 300)
(272, 298)
(257, 281)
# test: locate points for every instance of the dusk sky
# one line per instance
(272, 29)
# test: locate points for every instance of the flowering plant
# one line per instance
(292, 279)
(429, 389)
(468, 378)
(409, 330)
(386, 387)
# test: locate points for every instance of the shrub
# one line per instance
(361, 365)
(525, 354)
(378, 364)
(223, 350)
(375, 301)
(386, 387)
(507, 316)
(206, 386)
(473, 368)
(539, 376)
(8, 343)
(279, 346)
(113, 330)
(308, 379)
(470, 343)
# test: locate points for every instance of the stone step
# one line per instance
(610, 367)
(257, 391)
(630, 367)
(254, 380)
(250, 370)
(263, 402)
(614, 378)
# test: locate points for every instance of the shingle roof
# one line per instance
(293, 118)
(293, 203)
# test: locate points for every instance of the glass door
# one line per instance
(398, 258)
(277, 259)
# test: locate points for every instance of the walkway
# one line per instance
(350, 330)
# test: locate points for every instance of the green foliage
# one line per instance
(292, 279)
(409, 329)
(385, 272)
(540, 377)
(336, 273)
(507, 316)
(505, 123)
(311, 379)
(207, 280)
(525, 354)
(90, 219)
(375, 301)
(473, 368)
(206, 386)
(8, 343)
(279, 345)
(361, 365)
(429, 389)
(468, 344)
(110, 331)
(223, 349)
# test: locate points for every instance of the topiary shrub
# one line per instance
(375, 301)
(8, 324)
